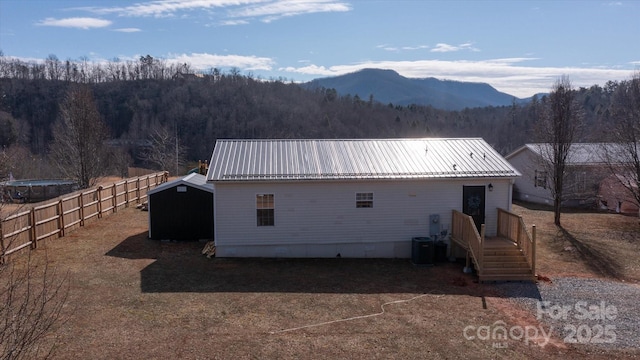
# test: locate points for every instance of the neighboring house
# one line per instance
(350, 198)
(613, 196)
(585, 171)
(181, 209)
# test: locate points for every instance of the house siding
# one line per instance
(320, 218)
(580, 185)
(524, 188)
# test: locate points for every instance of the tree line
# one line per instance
(84, 71)
(149, 104)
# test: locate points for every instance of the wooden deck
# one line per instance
(504, 260)
(510, 256)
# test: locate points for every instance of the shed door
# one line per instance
(473, 203)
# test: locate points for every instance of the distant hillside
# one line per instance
(387, 86)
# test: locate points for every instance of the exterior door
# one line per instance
(473, 203)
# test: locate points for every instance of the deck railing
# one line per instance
(512, 227)
(465, 233)
(57, 216)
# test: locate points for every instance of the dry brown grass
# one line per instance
(136, 298)
(589, 244)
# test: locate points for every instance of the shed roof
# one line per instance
(269, 160)
(579, 153)
(194, 180)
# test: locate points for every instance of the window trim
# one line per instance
(265, 215)
(364, 200)
(540, 179)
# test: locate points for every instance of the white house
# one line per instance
(350, 198)
(587, 167)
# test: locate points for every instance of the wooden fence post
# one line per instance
(533, 250)
(518, 228)
(81, 206)
(99, 196)
(126, 193)
(33, 232)
(60, 219)
(481, 252)
(114, 198)
(138, 190)
(2, 250)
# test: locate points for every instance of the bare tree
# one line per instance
(164, 150)
(32, 295)
(32, 298)
(624, 158)
(54, 67)
(557, 128)
(79, 134)
(119, 160)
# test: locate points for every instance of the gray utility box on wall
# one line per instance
(434, 226)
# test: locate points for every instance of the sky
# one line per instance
(519, 47)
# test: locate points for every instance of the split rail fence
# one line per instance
(54, 218)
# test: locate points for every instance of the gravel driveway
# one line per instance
(583, 311)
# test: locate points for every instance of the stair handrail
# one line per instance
(464, 230)
(512, 227)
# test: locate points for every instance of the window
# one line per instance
(540, 179)
(364, 200)
(581, 181)
(265, 209)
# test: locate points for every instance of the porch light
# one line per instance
(490, 187)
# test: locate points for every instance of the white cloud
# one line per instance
(419, 47)
(387, 47)
(506, 75)
(274, 10)
(128, 30)
(204, 61)
(76, 22)
(233, 22)
(165, 8)
(321, 70)
(442, 47)
(403, 48)
(265, 10)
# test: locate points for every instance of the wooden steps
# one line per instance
(502, 260)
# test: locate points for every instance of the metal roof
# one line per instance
(268, 160)
(194, 180)
(580, 153)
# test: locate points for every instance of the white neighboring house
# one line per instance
(586, 169)
(350, 198)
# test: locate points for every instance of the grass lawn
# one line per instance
(133, 298)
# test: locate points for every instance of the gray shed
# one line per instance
(181, 209)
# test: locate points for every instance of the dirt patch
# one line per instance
(132, 297)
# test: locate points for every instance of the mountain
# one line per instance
(387, 86)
